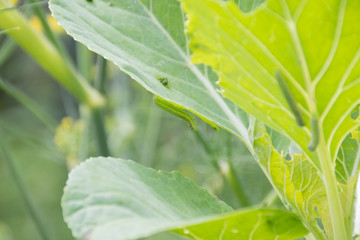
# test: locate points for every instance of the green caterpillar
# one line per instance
(292, 104)
(316, 134)
(177, 111)
(289, 98)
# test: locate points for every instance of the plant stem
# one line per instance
(26, 5)
(7, 48)
(85, 136)
(30, 104)
(233, 179)
(227, 170)
(236, 185)
(207, 149)
(270, 199)
(84, 61)
(100, 132)
(99, 114)
(49, 33)
(14, 171)
(332, 191)
(101, 74)
(48, 56)
(151, 135)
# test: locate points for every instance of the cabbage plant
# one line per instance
(253, 68)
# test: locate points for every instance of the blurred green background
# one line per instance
(136, 129)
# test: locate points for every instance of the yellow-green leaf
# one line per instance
(314, 45)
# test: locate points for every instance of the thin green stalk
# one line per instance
(23, 6)
(84, 142)
(8, 30)
(310, 237)
(48, 57)
(233, 179)
(48, 32)
(91, 117)
(30, 104)
(100, 132)
(14, 171)
(69, 104)
(98, 114)
(236, 185)
(228, 172)
(150, 140)
(84, 61)
(7, 48)
(101, 76)
(208, 150)
(332, 191)
(270, 199)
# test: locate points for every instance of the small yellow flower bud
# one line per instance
(13, 2)
(36, 23)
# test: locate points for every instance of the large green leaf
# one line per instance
(315, 45)
(254, 46)
(108, 198)
(302, 188)
(297, 182)
(146, 39)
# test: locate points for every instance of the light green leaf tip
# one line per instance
(114, 199)
(181, 112)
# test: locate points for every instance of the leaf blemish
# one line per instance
(164, 81)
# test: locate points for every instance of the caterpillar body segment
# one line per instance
(315, 134)
(289, 98)
(177, 111)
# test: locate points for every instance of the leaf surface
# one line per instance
(249, 224)
(297, 182)
(348, 158)
(315, 46)
(108, 198)
(146, 39)
(300, 186)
